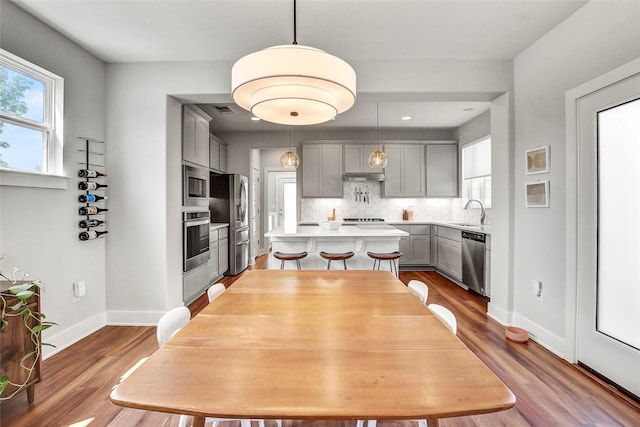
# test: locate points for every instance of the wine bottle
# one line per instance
(87, 223)
(90, 198)
(87, 185)
(90, 210)
(90, 235)
(88, 173)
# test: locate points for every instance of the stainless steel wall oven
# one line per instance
(195, 237)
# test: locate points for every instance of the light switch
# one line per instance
(79, 289)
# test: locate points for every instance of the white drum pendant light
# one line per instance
(293, 84)
(377, 159)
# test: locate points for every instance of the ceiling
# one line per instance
(204, 30)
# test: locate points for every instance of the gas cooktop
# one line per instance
(362, 219)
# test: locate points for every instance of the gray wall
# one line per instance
(597, 38)
(38, 226)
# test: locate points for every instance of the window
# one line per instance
(476, 172)
(31, 101)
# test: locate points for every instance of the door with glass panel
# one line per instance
(608, 333)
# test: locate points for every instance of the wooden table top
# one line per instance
(315, 345)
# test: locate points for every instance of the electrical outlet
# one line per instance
(537, 289)
(79, 290)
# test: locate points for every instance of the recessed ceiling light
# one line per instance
(405, 118)
(255, 119)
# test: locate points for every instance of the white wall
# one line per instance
(597, 38)
(39, 227)
(474, 129)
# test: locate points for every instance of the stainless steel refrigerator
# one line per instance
(228, 202)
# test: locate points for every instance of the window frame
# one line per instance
(51, 126)
(466, 183)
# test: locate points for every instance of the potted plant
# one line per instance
(18, 309)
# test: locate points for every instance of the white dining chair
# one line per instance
(215, 291)
(445, 315)
(419, 289)
(170, 323)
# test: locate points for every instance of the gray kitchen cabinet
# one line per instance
(213, 256)
(322, 170)
(356, 158)
(416, 247)
(195, 136)
(217, 154)
(223, 250)
(223, 157)
(450, 252)
(405, 171)
(218, 253)
(442, 170)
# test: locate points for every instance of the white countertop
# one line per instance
(360, 230)
(486, 229)
(218, 225)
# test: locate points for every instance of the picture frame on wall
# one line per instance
(537, 194)
(537, 160)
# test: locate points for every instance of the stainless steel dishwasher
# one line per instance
(473, 255)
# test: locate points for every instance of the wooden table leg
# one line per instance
(198, 421)
(433, 422)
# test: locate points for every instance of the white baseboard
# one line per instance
(72, 335)
(133, 318)
(499, 314)
(552, 342)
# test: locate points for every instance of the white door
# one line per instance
(255, 213)
(285, 188)
(608, 241)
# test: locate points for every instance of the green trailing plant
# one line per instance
(33, 321)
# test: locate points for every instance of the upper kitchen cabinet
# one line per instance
(356, 158)
(405, 171)
(442, 170)
(195, 136)
(322, 170)
(217, 154)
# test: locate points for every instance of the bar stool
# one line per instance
(289, 257)
(391, 256)
(344, 256)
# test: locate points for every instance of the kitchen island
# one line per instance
(359, 238)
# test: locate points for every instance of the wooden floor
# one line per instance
(549, 391)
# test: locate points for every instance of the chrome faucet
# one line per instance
(481, 207)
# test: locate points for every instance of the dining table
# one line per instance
(315, 345)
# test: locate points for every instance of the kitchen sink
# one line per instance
(464, 224)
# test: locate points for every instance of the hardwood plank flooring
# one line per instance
(549, 391)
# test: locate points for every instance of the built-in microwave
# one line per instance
(195, 186)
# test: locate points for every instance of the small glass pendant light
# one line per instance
(377, 159)
(290, 159)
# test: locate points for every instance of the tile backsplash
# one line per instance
(373, 205)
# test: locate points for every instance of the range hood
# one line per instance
(363, 176)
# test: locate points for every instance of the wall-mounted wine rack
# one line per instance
(92, 182)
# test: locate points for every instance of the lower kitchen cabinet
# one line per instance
(450, 251)
(416, 247)
(218, 252)
(223, 250)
